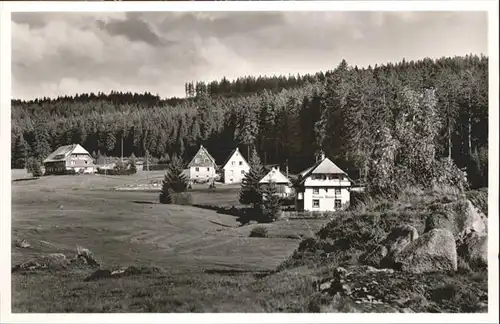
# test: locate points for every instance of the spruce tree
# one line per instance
(250, 193)
(175, 181)
(271, 203)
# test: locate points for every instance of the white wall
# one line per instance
(326, 198)
(233, 174)
(201, 173)
(234, 168)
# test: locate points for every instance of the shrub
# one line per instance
(259, 231)
(34, 167)
(354, 231)
(182, 198)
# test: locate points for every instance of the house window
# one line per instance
(315, 191)
(196, 160)
(208, 169)
(197, 169)
(241, 163)
(242, 171)
(86, 162)
(326, 190)
(232, 162)
(337, 191)
(338, 203)
(315, 203)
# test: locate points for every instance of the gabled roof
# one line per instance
(233, 152)
(64, 151)
(201, 154)
(275, 176)
(325, 166)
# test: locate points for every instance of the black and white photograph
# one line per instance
(281, 161)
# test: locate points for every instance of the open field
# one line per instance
(55, 214)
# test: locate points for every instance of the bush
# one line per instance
(358, 232)
(258, 231)
(34, 167)
(182, 198)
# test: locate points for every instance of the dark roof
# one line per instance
(202, 151)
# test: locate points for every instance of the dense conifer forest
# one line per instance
(395, 121)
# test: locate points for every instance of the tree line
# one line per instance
(378, 123)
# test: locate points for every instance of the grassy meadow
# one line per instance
(208, 262)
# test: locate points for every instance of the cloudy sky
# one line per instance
(66, 53)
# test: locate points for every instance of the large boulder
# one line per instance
(473, 247)
(431, 252)
(456, 217)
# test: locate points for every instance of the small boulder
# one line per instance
(433, 251)
(22, 244)
(87, 256)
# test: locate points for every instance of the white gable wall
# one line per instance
(325, 197)
(235, 168)
(202, 173)
(79, 150)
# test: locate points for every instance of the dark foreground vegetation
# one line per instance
(327, 273)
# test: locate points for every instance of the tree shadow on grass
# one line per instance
(25, 179)
(145, 202)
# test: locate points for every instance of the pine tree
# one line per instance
(21, 151)
(41, 146)
(271, 203)
(174, 181)
(250, 193)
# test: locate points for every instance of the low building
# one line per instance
(323, 187)
(202, 167)
(234, 168)
(69, 159)
(283, 184)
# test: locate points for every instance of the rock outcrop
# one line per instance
(456, 217)
(473, 248)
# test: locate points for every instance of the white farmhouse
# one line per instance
(235, 167)
(69, 158)
(283, 184)
(202, 167)
(323, 187)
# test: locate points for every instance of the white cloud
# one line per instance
(60, 53)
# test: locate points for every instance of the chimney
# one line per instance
(322, 155)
